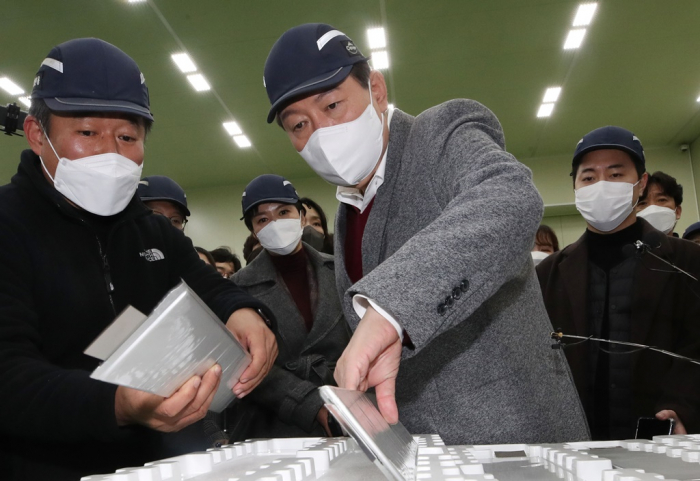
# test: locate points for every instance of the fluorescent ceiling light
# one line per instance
(242, 141)
(232, 128)
(545, 110)
(184, 62)
(26, 101)
(551, 94)
(584, 14)
(10, 87)
(376, 38)
(198, 82)
(698, 99)
(380, 60)
(575, 38)
(136, 1)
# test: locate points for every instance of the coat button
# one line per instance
(441, 309)
(449, 301)
(464, 285)
(456, 293)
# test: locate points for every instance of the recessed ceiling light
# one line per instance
(584, 14)
(242, 141)
(232, 128)
(551, 94)
(26, 101)
(10, 87)
(198, 82)
(376, 38)
(575, 38)
(380, 60)
(545, 110)
(184, 62)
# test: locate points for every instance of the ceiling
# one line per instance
(638, 67)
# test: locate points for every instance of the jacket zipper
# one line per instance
(107, 275)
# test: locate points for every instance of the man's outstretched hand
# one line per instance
(371, 359)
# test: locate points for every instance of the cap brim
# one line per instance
(178, 203)
(327, 80)
(624, 148)
(96, 105)
(284, 200)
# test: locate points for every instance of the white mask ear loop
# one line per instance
(54, 151)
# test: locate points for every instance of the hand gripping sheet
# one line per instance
(390, 446)
(181, 338)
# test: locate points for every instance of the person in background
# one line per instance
(165, 197)
(316, 219)
(593, 288)
(660, 203)
(432, 243)
(546, 243)
(251, 248)
(298, 283)
(226, 262)
(71, 213)
(692, 233)
(205, 255)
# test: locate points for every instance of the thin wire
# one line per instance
(558, 336)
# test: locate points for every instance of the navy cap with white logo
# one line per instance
(159, 187)
(91, 75)
(305, 59)
(268, 188)
(692, 229)
(609, 137)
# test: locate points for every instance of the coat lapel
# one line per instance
(373, 245)
(574, 276)
(327, 312)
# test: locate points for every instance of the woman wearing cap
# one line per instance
(298, 283)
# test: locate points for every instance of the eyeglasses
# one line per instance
(177, 221)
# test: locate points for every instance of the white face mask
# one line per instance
(281, 236)
(660, 218)
(101, 184)
(605, 205)
(538, 256)
(347, 153)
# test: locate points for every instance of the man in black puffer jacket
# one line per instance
(77, 246)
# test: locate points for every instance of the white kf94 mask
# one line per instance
(101, 184)
(281, 236)
(605, 205)
(660, 218)
(345, 154)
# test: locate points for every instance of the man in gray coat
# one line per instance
(433, 239)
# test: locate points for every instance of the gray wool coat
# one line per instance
(286, 403)
(446, 251)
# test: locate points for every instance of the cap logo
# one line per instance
(351, 48)
(37, 80)
(327, 37)
(54, 64)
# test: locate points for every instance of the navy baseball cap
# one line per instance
(609, 137)
(692, 229)
(91, 75)
(159, 187)
(307, 58)
(268, 188)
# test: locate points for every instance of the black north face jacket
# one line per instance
(64, 277)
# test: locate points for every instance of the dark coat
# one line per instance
(665, 314)
(55, 269)
(446, 251)
(286, 402)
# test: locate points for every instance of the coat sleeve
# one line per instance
(296, 401)
(39, 399)
(490, 211)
